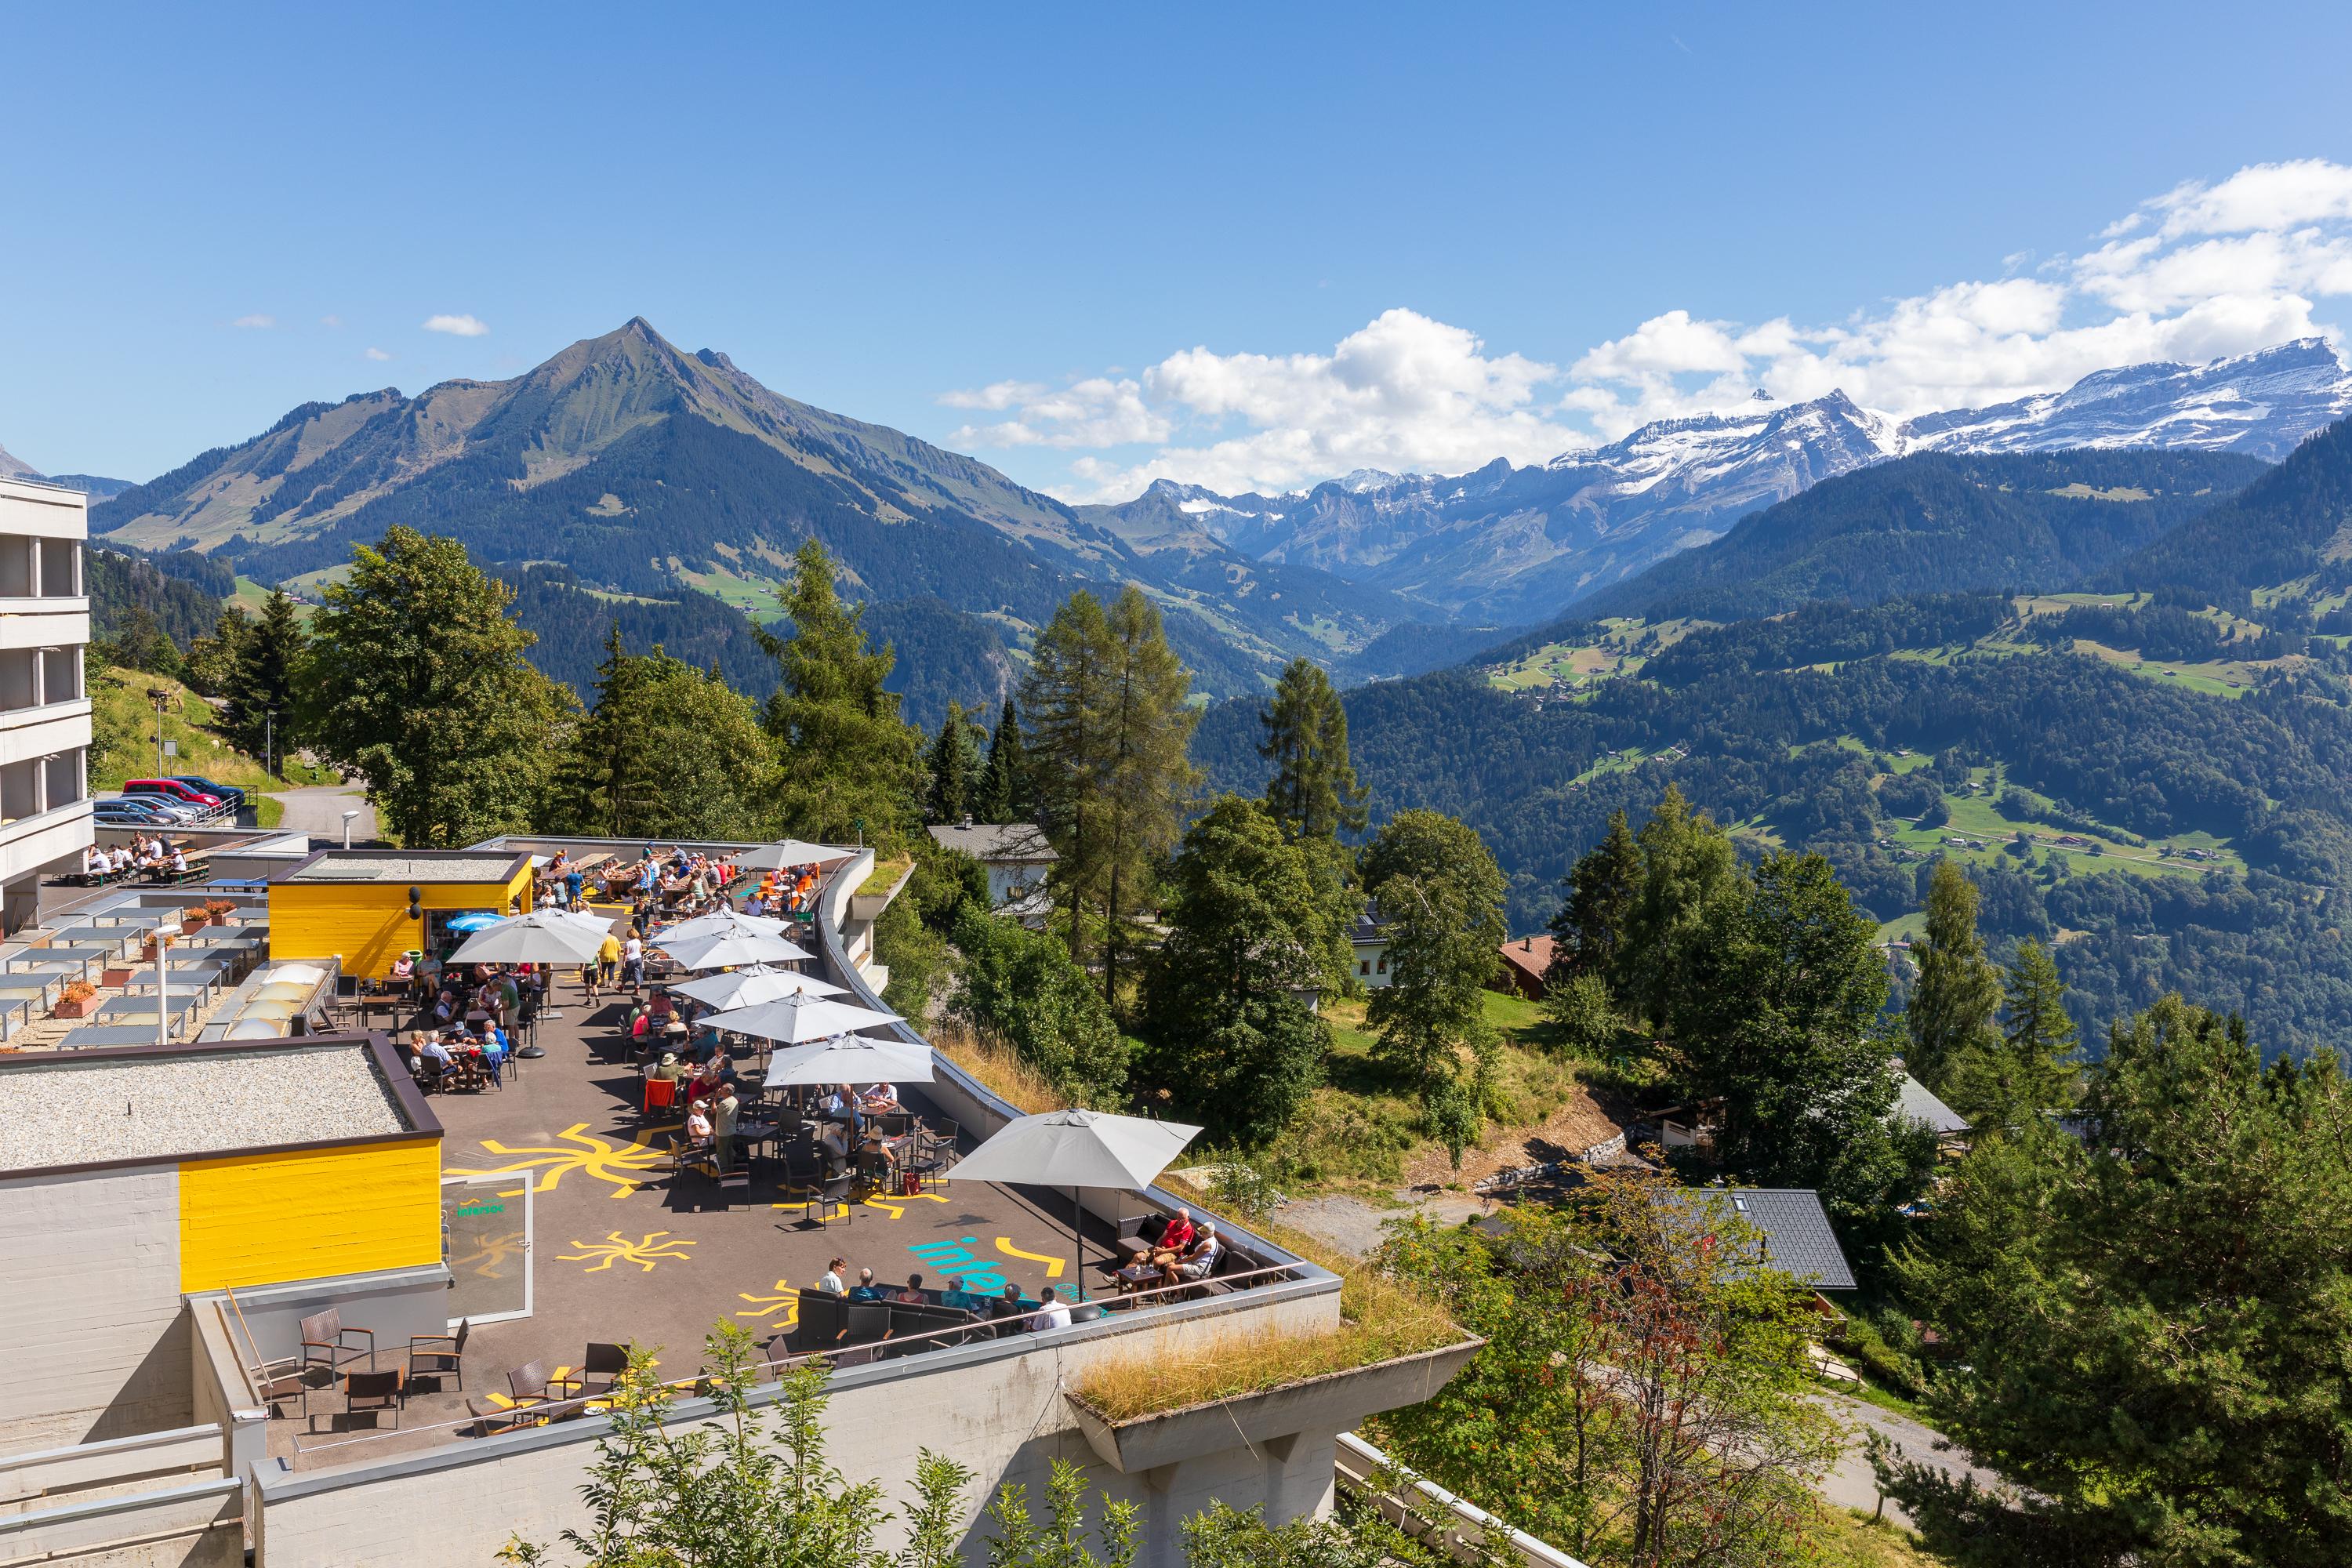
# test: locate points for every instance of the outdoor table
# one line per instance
(124, 1009)
(108, 1034)
(1136, 1277)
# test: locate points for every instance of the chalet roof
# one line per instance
(997, 843)
(1792, 1227)
(1530, 955)
(1915, 1101)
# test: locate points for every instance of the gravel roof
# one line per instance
(379, 867)
(60, 1112)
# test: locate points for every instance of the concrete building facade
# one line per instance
(45, 816)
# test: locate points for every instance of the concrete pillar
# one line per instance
(20, 903)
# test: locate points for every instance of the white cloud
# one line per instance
(255, 321)
(377, 354)
(330, 321)
(2201, 271)
(458, 326)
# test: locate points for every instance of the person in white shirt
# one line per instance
(179, 858)
(633, 963)
(94, 862)
(1052, 1314)
(122, 857)
(880, 1096)
(830, 1282)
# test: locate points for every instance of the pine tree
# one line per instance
(1440, 896)
(602, 777)
(1952, 1006)
(1602, 886)
(212, 660)
(1065, 698)
(1150, 778)
(2030, 1068)
(1689, 867)
(1313, 793)
(1004, 793)
(954, 766)
(852, 765)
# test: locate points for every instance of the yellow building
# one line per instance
(366, 907)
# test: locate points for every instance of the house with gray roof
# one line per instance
(1793, 1230)
(1015, 855)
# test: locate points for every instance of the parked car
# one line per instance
(160, 809)
(230, 796)
(173, 789)
(133, 813)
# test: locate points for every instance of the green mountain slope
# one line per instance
(2293, 526)
(1935, 522)
(650, 472)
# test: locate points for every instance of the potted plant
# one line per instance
(115, 976)
(77, 1000)
(193, 919)
(221, 910)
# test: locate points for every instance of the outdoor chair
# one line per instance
(435, 1355)
(823, 1318)
(599, 1371)
(894, 1123)
(375, 1392)
(429, 1075)
(661, 1094)
(296, 1385)
(528, 1387)
(326, 1342)
(866, 1322)
(925, 1163)
(816, 1202)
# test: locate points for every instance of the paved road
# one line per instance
(320, 810)
(1852, 1485)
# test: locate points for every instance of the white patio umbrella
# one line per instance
(1076, 1148)
(722, 923)
(851, 1059)
(542, 936)
(749, 987)
(791, 852)
(798, 1020)
(732, 951)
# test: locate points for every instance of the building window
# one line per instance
(19, 560)
(63, 779)
(1364, 967)
(60, 674)
(60, 568)
(1384, 963)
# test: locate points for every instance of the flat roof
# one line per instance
(147, 1104)
(407, 865)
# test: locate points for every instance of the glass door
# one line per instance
(485, 1240)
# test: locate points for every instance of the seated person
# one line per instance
(865, 1290)
(1008, 1306)
(881, 1097)
(697, 1126)
(913, 1294)
(666, 1069)
(179, 861)
(432, 1047)
(1196, 1261)
(961, 1299)
(1052, 1314)
(833, 1142)
(840, 1105)
(122, 858)
(94, 862)
(1178, 1235)
(404, 970)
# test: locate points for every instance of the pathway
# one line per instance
(320, 809)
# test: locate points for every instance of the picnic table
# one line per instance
(198, 867)
(195, 976)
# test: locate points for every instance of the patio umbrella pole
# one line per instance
(1078, 1247)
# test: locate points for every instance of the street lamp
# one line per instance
(347, 827)
(157, 695)
(268, 739)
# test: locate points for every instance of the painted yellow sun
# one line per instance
(654, 1247)
(787, 1301)
(619, 1163)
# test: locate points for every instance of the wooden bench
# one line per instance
(199, 867)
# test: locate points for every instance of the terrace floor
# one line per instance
(621, 1253)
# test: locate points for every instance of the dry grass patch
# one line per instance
(1171, 1377)
(999, 1067)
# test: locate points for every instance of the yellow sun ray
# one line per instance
(619, 1163)
(644, 1252)
(787, 1300)
(1053, 1265)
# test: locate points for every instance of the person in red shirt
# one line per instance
(1179, 1234)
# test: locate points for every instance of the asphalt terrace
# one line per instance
(623, 1253)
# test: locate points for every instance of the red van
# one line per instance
(173, 789)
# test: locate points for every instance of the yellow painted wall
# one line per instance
(367, 923)
(309, 1214)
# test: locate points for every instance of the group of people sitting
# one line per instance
(790, 892)
(459, 1056)
(1175, 1252)
(1047, 1313)
(142, 853)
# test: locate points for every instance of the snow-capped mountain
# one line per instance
(1520, 543)
(2260, 403)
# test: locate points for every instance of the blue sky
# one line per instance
(1396, 236)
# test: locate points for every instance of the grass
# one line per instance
(1381, 1320)
(119, 705)
(884, 874)
(999, 1067)
(1845, 1539)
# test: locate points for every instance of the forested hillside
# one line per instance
(2165, 831)
(1931, 523)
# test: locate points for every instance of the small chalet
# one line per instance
(1525, 960)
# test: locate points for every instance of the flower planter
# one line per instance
(147, 950)
(194, 921)
(1335, 1402)
(81, 1008)
(114, 979)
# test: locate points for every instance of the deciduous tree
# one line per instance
(416, 682)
